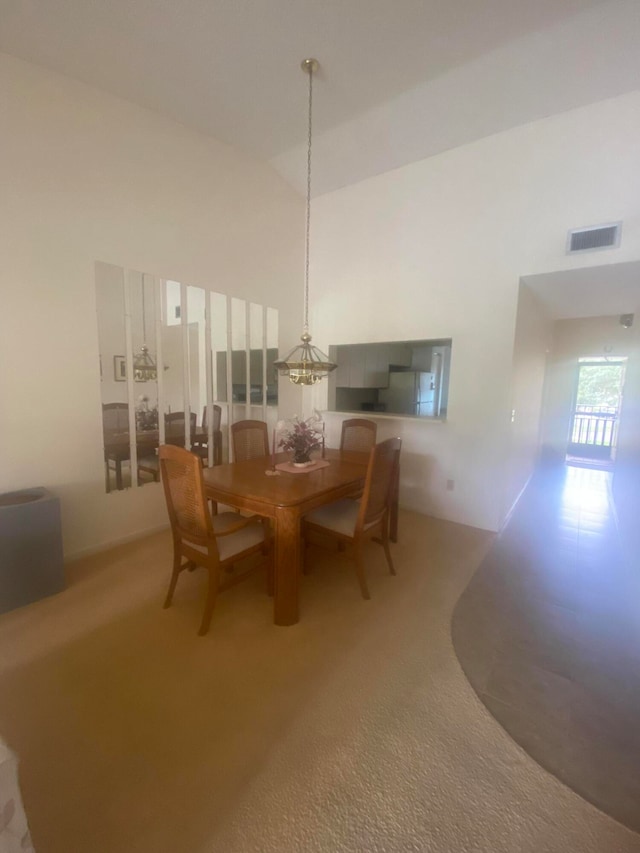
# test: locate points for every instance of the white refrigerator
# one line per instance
(410, 392)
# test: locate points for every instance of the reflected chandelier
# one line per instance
(144, 367)
(306, 364)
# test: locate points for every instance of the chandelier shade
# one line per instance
(144, 367)
(306, 364)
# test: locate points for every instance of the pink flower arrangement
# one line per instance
(302, 438)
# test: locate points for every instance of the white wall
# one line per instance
(88, 177)
(436, 250)
(626, 478)
(532, 343)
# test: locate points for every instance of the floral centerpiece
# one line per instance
(302, 438)
(146, 415)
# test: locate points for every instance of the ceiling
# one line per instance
(399, 80)
(589, 292)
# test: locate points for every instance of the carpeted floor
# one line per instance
(548, 633)
(354, 730)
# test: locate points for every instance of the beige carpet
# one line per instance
(352, 731)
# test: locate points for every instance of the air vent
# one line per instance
(595, 237)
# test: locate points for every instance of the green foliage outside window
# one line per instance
(600, 385)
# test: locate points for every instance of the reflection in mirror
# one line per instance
(142, 311)
(239, 358)
(173, 362)
(219, 346)
(218, 313)
(197, 388)
(257, 386)
(271, 345)
(272, 355)
(113, 374)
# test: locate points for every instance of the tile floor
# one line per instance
(548, 633)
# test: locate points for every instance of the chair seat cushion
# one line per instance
(241, 540)
(340, 516)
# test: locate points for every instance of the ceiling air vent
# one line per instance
(594, 237)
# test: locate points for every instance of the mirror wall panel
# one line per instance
(239, 364)
(257, 362)
(219, 345)
(197, 360)
(174, 361)
(271, 374)
(219, 310)
(178, 364)
(142, 297)
(110, 306)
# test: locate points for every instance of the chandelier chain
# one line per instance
(306, 263)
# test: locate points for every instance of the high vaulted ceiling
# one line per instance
(399, 81)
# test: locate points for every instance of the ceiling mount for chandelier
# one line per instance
(306, 364)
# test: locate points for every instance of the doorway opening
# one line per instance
(596, 412)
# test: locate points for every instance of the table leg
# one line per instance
(287, 568)
(119, 485)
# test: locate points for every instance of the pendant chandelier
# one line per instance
(306, 364)
(144, 367)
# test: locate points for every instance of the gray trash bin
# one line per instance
(31, 561)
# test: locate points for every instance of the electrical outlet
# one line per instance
(450, 485)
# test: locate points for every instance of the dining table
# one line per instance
(285, 497)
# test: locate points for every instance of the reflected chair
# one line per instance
(358, 434)
(353, 522)
(217, 543)
(250, 440)
(174, 427)
(174, 433)
(115, 428)
(200, 444)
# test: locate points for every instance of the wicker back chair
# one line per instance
(216, 543)
(250, 439)
(358, 434)
(353, 523)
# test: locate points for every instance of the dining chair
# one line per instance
(354, 522)
(250, 439)
(217, 543)
(358, 434)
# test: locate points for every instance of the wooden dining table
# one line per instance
(285, 498)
